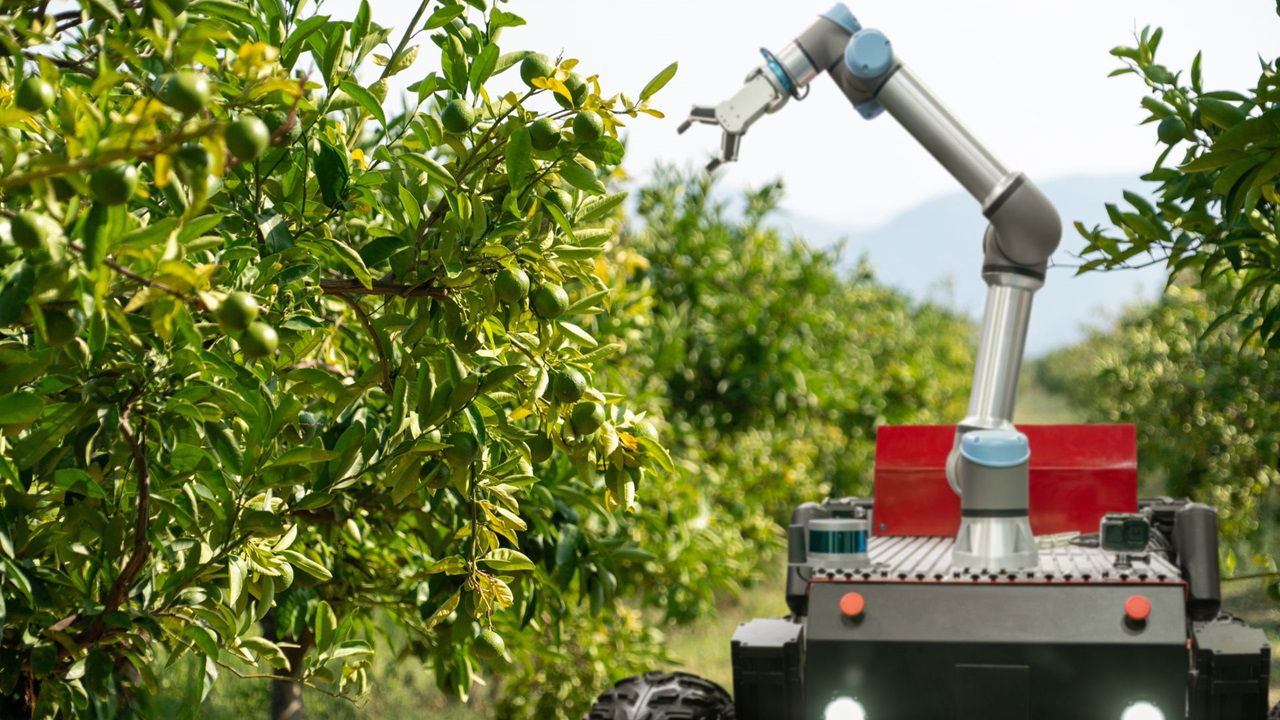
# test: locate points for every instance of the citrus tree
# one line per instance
(1216, 211)
(282, 361)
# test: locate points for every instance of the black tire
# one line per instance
(1275, 713)
(663, 696)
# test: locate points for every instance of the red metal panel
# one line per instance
(1078, 473)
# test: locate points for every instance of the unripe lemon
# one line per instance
(463, 448)
(587, 126)
(186, 91)
(60, 328)
(577, 88)
(259, 340)
(237, 312)
(568, 385)
(544, 134)
(511, 285)
(457, 116)
(114, 184)
(1171, 130)
(536, 66)
(540, 448)
(586, 417)
(247, 138)
(549, 300)
(34, 95)
(490, 646)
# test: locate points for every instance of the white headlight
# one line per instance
(1142, 711)
(849, 709)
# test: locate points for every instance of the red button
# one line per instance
(1137, 608)
(852, 604)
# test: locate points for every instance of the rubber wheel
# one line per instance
(1275, 713)
(663, 696)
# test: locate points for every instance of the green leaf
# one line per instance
(97, 234)
(431, 167)
(582, 178)
(20, 408)
(236, 570)
(360, 26)
(275, 232)
(203, 638)
(659, 81)
(332, 173)
(326, 626)
(485, 63)
(353, 260)
(507, 560)
(304, 455)
(365, 100)
(266, 650)
(577, 334)
(519, 156)
(294, 44)
(307, 565)
(18, 282)
(596, 208)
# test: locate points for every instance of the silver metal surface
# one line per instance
(796, 65)
(760, 95)
(995, 543)
(915, 106)
(1000, 348)
(928, 559)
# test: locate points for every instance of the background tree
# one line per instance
(1197, 370)
(273, 351)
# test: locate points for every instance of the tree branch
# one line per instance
(377, 340)
(351, 286)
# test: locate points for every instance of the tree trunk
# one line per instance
(286, 691)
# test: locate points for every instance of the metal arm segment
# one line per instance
(1025, 228)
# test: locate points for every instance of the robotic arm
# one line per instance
(1024, 227)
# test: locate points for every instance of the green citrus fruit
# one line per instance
(536, 66)
(549, 300)
(258, 340)
(544, 134)
(457, 116)
(247, 138)
(511, 285)
(276, 120)
(586, 417)
(645, 429)
(1171, 130)
(463, 448)
(59, 328)
(577, 88)
(193, 162)
(568, 385)
(560, 198)
(114, 184)
(237, 312)
(34, 95)
(490, 646)
(186, 91)
(28, 230)
(540, 448)
(587, 126)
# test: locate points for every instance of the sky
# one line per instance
(1027, 76)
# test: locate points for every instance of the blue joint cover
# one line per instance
(778, 72)
(869, 110)
(869, 54)
(995, 448)
(843, 16)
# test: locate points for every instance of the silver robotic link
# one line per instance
(1023, 233)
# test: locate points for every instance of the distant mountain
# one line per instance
(933, 252)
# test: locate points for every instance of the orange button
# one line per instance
(1137, 608)
(852, 604)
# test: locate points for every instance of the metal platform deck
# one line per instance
(928, 559)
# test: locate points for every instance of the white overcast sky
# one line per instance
(1027, 76)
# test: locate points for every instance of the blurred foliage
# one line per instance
(281, 363)
(1217, 207)
(773, 363)
(1207, 412)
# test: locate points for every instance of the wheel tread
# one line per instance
(663, 696)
